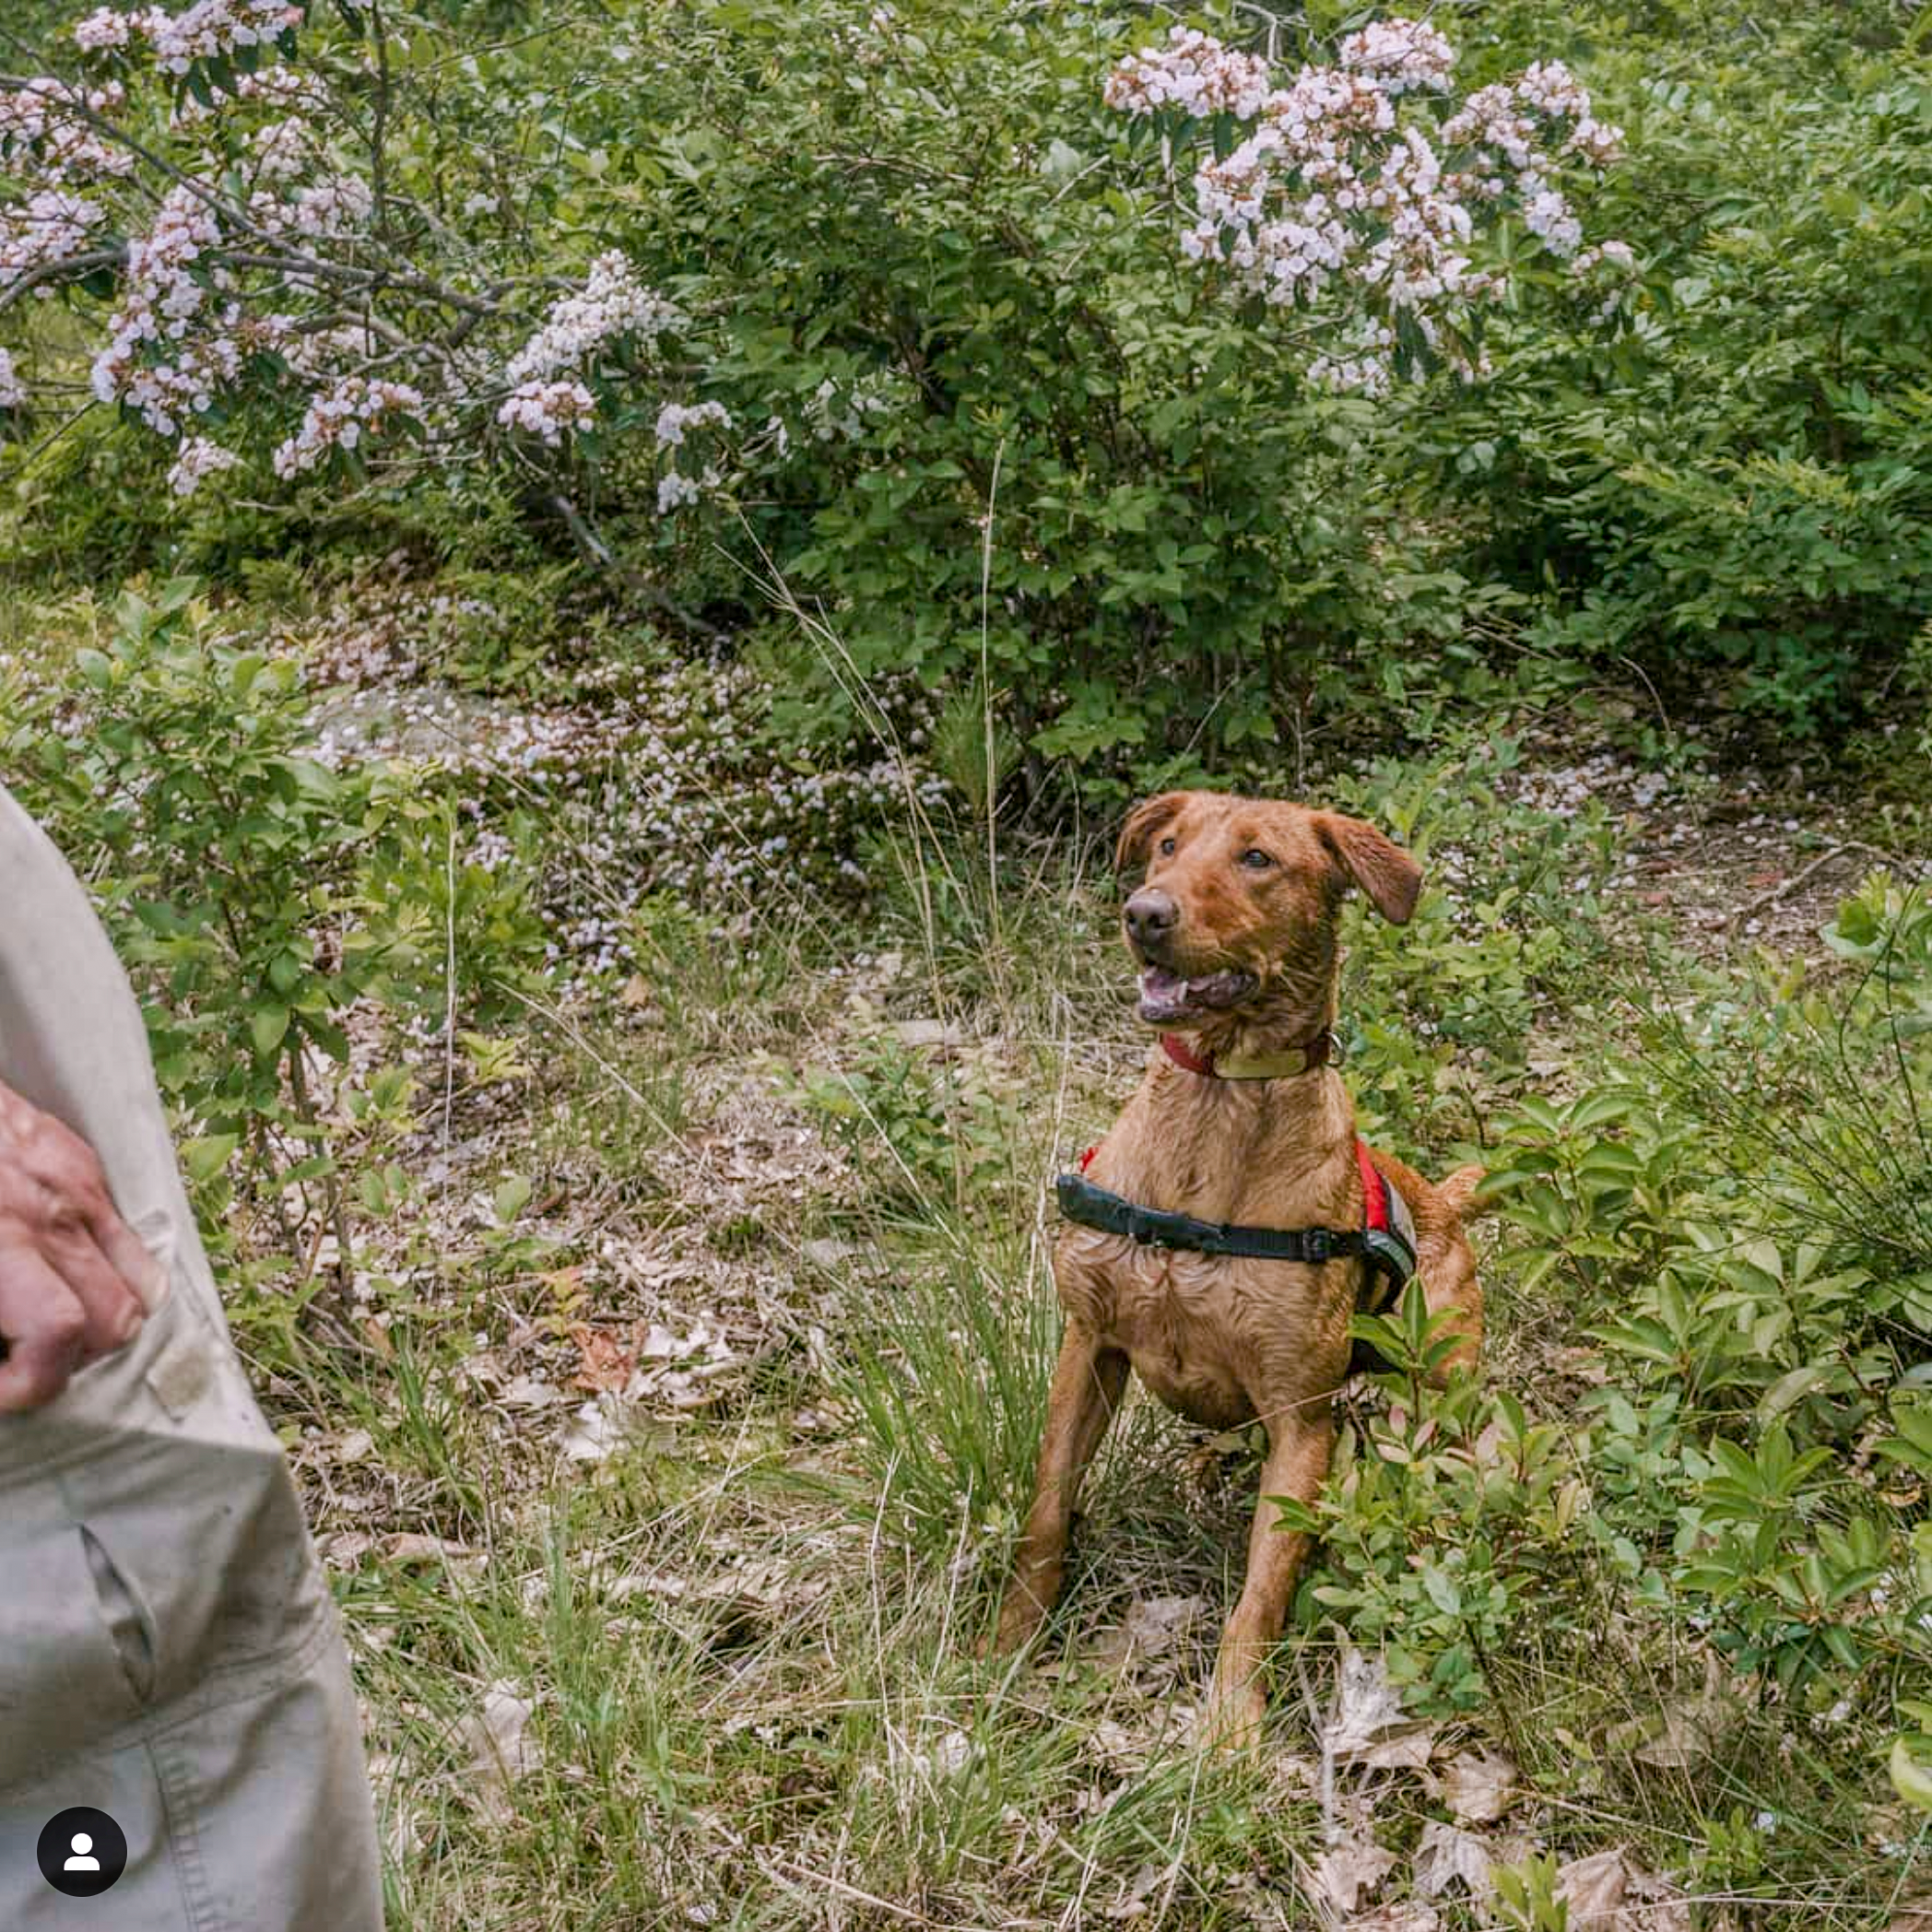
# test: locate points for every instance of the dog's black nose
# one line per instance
(1151, 917)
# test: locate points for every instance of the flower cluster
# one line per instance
(57, 122)
(336, 419)
(256, 272)
(675, 418)
(198, 458)
(107, 31)
(50, 228)
(1401, 54)
(149, 362)
(548, 409)
(1345, 199)
(208, 29)
(675, 489)
(611, 303)
(845, 413)
(281, 148)
(1195, 73)
(165, 393)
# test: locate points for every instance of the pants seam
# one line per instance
(183, 1836)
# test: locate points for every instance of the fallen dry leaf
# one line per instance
(1478, 1790)
(605, 1365)
(597, 1429)
(1138, 1895)
(1368, 1725)
(1606, 1894)
(1594, 1889)
(1397, 1918)
(1448, 1855)
(1684, 1731)
(407, 1547)
(1151, 1628)
(928, 1033)
(530, 1392)
(1118, 1748)
(1346, 1870)
(500, 1749)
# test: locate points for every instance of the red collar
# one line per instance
(1314, 1052)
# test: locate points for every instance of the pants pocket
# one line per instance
(200, 1557)
(64, 1687)
(128, 1623)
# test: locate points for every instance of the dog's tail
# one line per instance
(1459, 1189)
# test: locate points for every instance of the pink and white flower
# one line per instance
(1340, 201)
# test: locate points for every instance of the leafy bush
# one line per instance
(263, 894)
(1734, 493)
(893, 310)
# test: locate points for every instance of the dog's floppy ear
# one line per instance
(1138, 834)
(1374, 861)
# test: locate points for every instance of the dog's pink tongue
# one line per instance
(1161, 993)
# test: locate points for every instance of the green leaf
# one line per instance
(206, 1155)
(1909, 1778)
(267, 1026)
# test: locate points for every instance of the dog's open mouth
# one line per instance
(1166, 996)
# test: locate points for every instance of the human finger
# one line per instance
(43, 1328)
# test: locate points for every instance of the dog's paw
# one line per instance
(1234, 1717)
(1020, 1621)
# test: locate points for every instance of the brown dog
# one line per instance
(1234, 929)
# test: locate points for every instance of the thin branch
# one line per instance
(70, 266)
(592, 548)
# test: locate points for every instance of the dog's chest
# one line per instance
(1200, 1336)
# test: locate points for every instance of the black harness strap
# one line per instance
(1093, 1206)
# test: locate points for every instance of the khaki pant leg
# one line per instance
(169, 1651)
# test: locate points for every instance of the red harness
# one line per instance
(1375, 1189)
(1387, 1239)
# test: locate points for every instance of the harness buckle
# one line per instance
(1320, 1243)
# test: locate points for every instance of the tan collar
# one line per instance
(1283, 1065)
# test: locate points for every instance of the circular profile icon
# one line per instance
(82, 1852)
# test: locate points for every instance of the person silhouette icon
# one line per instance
(82, 1852)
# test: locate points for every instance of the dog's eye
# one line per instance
(1254, 857)
(1167, 848)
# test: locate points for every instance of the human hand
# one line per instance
(76, 1282)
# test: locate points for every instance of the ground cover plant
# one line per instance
(606, 796)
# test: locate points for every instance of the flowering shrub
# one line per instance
(273, 285)
(1359, 196)
(993, 389)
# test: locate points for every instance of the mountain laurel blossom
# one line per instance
(337, 419)
(225, 249)
(547, 410)
(198, 458)
(612, 302)
(675, 418)
(49, 228)
(1359, 191)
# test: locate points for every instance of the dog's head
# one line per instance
(1236, 913)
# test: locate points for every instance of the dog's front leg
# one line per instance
(1085, 1390)
(1299, 1448)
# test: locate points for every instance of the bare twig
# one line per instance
(1785, 888)
(592, 548)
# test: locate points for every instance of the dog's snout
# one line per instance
(1151, 917)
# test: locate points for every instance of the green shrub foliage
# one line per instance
(980, 410)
